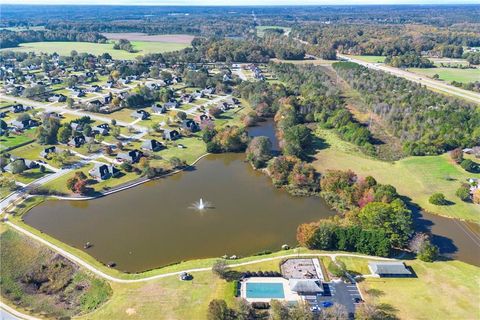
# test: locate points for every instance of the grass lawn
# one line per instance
(442, 290)
(261, 29)
(371, 59)
(60, 184)
(64, 48)
(13, 140)
(415, 177)
(194, 147)
(450, 74)
(27, 176)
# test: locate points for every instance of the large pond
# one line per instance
(153, 224)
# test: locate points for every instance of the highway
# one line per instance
(429, 83)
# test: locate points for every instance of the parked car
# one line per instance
(327, 304)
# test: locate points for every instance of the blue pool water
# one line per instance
(265, 290)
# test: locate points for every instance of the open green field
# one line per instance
(450, 74)
(261, 29)
(415, 177)
(371, 59)
(64, 48)
(441, 290)
(13, 140)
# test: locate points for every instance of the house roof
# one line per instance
(394, 267)
(305, 285)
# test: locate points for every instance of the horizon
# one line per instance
(239, 3)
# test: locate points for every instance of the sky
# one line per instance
(236, 2)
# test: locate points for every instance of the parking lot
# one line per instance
(337, 292)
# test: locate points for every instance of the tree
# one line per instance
(259, 151)
(305, 233)
(457, 155)
(394, 218)
(220, 268)
(177, 163)
(296, 140)
(218, 310)
(244, 310)
(215, 111)
(279, 310)
(18, 166)
(64, 133)
(463, 192)
(335, 312)
(438, 199)
(70, 102)
(476, 196)
(181, 115)
(428, 252)
(300, 311)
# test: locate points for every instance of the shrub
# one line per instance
(438, 199)
(428, 252)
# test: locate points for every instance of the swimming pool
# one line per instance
(264, 290)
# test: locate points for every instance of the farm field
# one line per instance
(64, 48)
(415, 177)
(450, 74)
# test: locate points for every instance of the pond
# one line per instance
(154, 225)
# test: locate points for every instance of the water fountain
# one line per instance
(201, 205)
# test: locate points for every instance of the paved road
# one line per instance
(430, 83)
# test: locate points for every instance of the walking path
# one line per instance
(105, 276)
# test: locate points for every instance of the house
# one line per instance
(104, 171)
(30, 77)
(159, 109)
(45, 152)
(172, 104)
(95, 103)
(76, 126)
(27, 164)
(107, 99)
(77, 92)
(140, 114)
(57, 98)
(232, 101)
(89, 74)
(124, 81)
(389, 269)
(184, 276)
(223, 106)
(77, 141)
(226, 78)
(95, 88)
(190, 125)
(104, 126)
(52, 115)
(17, 108)
(130, 156)
(55, 81)
(25, 124)
(152, 145)
(202, 117)
(171, 134)
(98, 130)
(109, 84)
(208, 91)
(186, 98)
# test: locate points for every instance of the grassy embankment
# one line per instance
(371, 59)
(441, 290)
(64, 48)
(450, 74)
(415, 177)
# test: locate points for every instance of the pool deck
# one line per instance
(289, 294)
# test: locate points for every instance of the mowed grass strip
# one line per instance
(450, 74)
(65, 48)
(441, 290)
(415, 177)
